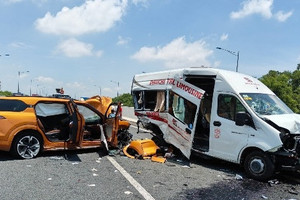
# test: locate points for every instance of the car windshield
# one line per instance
(266, 104)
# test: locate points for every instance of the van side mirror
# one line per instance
(243, 118)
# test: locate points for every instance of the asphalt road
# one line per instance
(91, 175)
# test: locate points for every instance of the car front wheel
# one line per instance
(27, 145)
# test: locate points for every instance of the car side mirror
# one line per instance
(242, 119)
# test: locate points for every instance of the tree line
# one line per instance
(286, 85)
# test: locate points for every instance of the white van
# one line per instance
(222, 114)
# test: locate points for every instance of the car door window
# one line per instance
(89, 115)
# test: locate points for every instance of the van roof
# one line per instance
(237, 81)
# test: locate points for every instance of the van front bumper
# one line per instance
(287, 161)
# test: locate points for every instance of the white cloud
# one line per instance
(106, 89)
(262, 7)
(122, 41)
(282, 17)
(74, 48)
(143, 2)
(99, 53)
(178, 53)
(19, 45)
(12, 1)
(43, 79)
(91, 16)
(224, 37)
(76, 85)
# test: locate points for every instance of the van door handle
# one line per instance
(217, 123)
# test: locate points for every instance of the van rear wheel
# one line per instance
(258, 165)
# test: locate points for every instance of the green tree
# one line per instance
(5, 93)
(286, 86)
(125, 99)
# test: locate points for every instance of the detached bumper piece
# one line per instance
(143, 149)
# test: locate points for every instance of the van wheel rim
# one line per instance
(28, 147)
(257, 166)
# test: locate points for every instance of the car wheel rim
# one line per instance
(257, 166)
(28, 147)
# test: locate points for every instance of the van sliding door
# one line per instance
(183, 108)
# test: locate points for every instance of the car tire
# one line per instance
(259, 166)
(27, 145)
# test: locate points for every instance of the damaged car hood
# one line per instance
(100, 103)
(288, 121)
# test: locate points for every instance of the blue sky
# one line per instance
(91, 46)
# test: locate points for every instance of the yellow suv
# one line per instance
(29, 125)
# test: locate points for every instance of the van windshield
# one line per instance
(266, 104)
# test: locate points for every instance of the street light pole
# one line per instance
(237, 54)
(117, 88)
(19, 74)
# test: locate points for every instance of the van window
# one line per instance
(266, 104)
(182, 109)
(228, 106)
(150, 100)
(138, 100)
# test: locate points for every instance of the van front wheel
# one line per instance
(258, 165)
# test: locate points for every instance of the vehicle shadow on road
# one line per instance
(232, 169)
(234, 184)
(217, 164)
(6, 156)
(69, 155)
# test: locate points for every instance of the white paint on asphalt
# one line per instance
(133, 182)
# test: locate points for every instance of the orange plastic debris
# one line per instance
(141, 148)
(158, 159)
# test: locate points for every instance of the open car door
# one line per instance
(112, 117)
(184, 103)
(76, 123)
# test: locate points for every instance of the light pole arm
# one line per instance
(233, 53)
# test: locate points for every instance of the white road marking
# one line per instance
(133, 182)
